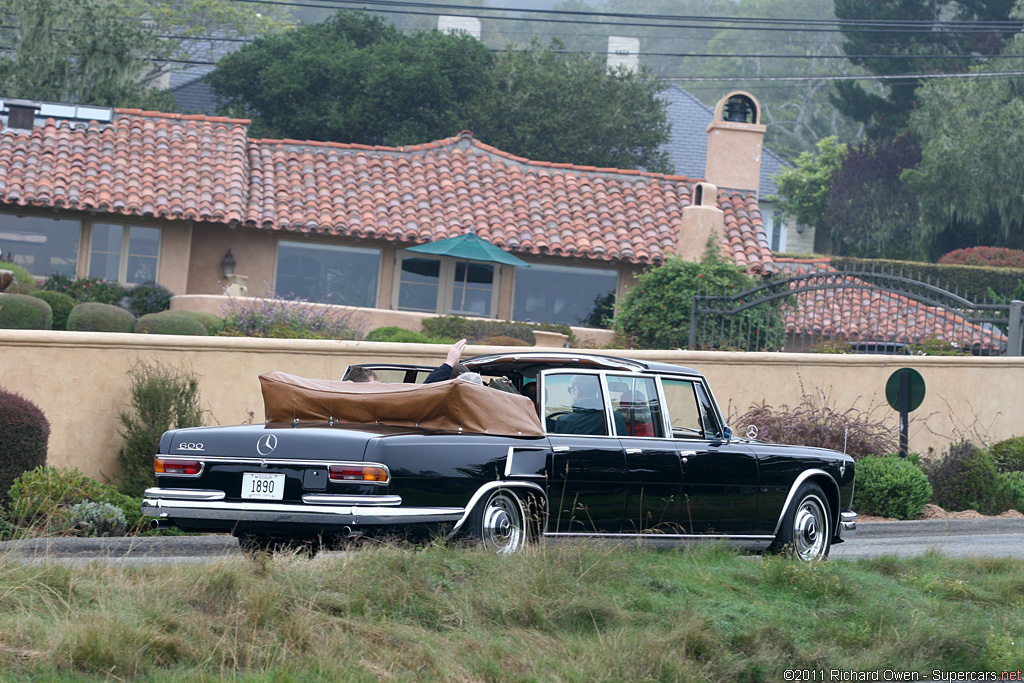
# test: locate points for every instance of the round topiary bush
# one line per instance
(1009, 454)
(213, 323)
(97, 317)
(966, 479)
(61, 305)
(891, 486)
(23, 312)
(170, 322)
(149, 297)
(23, 282)
(24, 433)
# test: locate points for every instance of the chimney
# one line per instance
(623, 52)
(468, 25)
(735, 141)
(701, 219)
(21, 114)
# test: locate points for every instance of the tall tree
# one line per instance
(107, 52)
(804, 189)
(934, 47)
(355, 78)
(557, 106)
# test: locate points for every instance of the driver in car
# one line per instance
(587, 416)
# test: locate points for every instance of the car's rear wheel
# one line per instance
(499, 523)
(806, 531)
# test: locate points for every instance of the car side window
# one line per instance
(574, 404)
(707, 413)
(683, 409)
(636, 400)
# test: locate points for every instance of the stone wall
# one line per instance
(80, 381)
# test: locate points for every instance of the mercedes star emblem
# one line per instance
(266, 444)
(751, 431)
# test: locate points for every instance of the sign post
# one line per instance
(904, 392)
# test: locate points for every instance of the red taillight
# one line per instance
(169, 466)
(358, 473)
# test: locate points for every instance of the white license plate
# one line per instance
(259, 485)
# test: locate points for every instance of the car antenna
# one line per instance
(295, 419)
(846, 433)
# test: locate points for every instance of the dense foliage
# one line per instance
(403, 336)
(1009, 455)
(97, 317)
(804, 188)
(161, 398)
(86, 289)
(211, 321)
(869, 213)
(816, 422)
(24, 312)
(24, 436)
(656, 311)
(23, 282)
(993, 257)
(356, 79)
(149, 297)
(456, 327)
(60, 305)
(891, 486)
(170, 322)
(965, 478)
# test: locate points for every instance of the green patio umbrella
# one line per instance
(469, 247)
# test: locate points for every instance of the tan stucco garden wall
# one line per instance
(80, 381)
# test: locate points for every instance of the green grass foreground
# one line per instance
(554, 613)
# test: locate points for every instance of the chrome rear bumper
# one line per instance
(848, 524)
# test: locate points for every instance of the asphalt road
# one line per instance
(954, 537)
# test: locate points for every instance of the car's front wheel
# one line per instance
(500, 523)
(806, 531)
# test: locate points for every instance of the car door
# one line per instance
(586, 470)
(653, 467)
(719, 477)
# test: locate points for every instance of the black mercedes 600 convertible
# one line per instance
(597, 447)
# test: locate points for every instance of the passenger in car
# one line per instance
(587, 416)
(358, 374)
(451, 366)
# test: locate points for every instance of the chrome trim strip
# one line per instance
(804, 476)
(337, 499)
(298, 514)
(184, 494)
(581, 534)
(848, 524)
(487, 488)
(222, 459)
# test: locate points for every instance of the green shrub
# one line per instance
(965, 478)
(456, 327)
(23, 282)
(170, 322)
(61, 305)
(86, 289)
(23, 312)
(1009, 454)
(41, 499)
(503, 341)
(403, 336)
(24, 434)
(1013, 485)
(96, 519)
(212, 322)
(656, 311)
(162, 398)
(149, 297)
(99, 317)
(891, 486)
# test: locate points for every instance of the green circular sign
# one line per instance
(915, 385)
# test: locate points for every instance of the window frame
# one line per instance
(567, 268)
(445, 284)
(125, 253)
(338, 247)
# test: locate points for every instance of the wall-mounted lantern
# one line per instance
(228, 265)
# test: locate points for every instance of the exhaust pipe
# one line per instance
(349, 532)
(161, 524)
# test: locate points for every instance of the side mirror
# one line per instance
(728, 433)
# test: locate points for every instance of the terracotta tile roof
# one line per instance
(875, 314)
(206, 169)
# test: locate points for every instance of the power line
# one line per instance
(838, 77)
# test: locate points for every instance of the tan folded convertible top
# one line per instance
(452, 405)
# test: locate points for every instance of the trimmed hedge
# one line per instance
(170, 322)
(1009, 454)
(97, 317)
(404, 336)
(455, 327)
(212, 322)
(24, 435)
(61, 305)
(891, 486)
(23, 282)
(24, 312)
(972, 282)
(149, 297)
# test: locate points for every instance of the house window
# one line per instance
(565, 294)
(125, 254)
(446, 285)
(327, 274)
(42, 246)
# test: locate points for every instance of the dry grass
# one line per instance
(572, 614)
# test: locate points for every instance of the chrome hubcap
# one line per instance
(502, 525)
(810, 529)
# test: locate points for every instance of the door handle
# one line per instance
(634, 451)
(685, 455)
